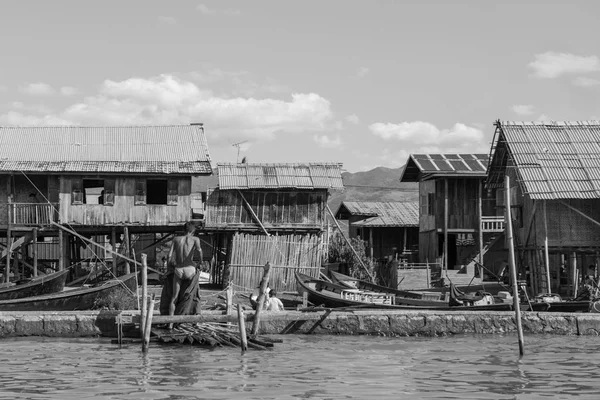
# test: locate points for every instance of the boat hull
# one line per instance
(41, 285)
(70, 300)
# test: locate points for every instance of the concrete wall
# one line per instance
(370, 322)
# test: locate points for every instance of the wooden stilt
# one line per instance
(61, 252)
(511, 260)
(35, 252)
(261, 298)
(446, 216)
(546, 252)
(113, 243)
(144, 293)
(229, 300)
(127, 242)
(242, 326)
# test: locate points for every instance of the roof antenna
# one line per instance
(238, 145)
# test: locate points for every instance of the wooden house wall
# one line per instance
(428, 247)
(426, 221)
(20, 187)
(124, 210)
(286, 254)
(462, 203)
(275, 209)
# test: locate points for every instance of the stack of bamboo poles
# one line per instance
(212, 335)
(286, 254)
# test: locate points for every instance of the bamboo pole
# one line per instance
(242, 326)
(144, 293)
(349, 244)
(511, 260)
(480, 226)
(546, 252)
(229, 300)
(148, 324)
(261, 298)
(113, 242)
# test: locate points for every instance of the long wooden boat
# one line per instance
(46, 284)
(72, 299)
(331, 294)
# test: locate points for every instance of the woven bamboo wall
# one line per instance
(286, 253)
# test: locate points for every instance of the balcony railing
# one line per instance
(492, 224)
(31, 214)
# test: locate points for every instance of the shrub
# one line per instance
(339, 251)
(118, 299)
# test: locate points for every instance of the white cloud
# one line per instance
(68, 91)
(584, 81)
(523, 109)
(544, 118)
(327, 142)
(204, 9)
(362, 72)
(167, 99)
(353, 119)
(37, 89)
(424, 137)
(553, 65)
(166, 20)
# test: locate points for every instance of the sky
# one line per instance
(363, 83)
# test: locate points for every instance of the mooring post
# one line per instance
(261, 297)
(511, 260)
(144, 293)
(304, 299)
(242, 326)
(148, 324)
(229, 300)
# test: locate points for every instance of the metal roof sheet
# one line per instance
(431, 165)
(554, 160)
(384, 214)
(128, 149)
(280, 176)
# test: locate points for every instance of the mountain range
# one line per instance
(378, 184)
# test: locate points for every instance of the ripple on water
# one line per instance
(305, 367)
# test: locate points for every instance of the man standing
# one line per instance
(180, 263)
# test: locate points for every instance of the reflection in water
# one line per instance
(458, 367)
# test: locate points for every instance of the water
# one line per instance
(306, 367)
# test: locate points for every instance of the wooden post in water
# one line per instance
(511, 260)
(242, 326)
(261, 297)
(148, 324)
(144, 293)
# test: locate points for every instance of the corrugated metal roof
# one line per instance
(384, 214)
(558, 160)
(425, 166)
(129, 149)
(279, 176)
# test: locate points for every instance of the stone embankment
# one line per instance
(364, 322)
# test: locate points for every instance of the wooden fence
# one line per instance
(286, 253)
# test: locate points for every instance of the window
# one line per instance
(140, 192)
(109, 192)
(424, 210)
(431, 203)
(77, 191)
(173, 186)
(156, 191)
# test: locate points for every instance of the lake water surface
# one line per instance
(306, 367)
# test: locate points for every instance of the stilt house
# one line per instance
(101, 182)
(271, 213)
(554, 171)
(458, 220)
(391, 228)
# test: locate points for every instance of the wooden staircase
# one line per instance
(486, 247)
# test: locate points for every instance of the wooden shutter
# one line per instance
(76, 191)
(109, 192)
(140, 192)
(172, 191)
